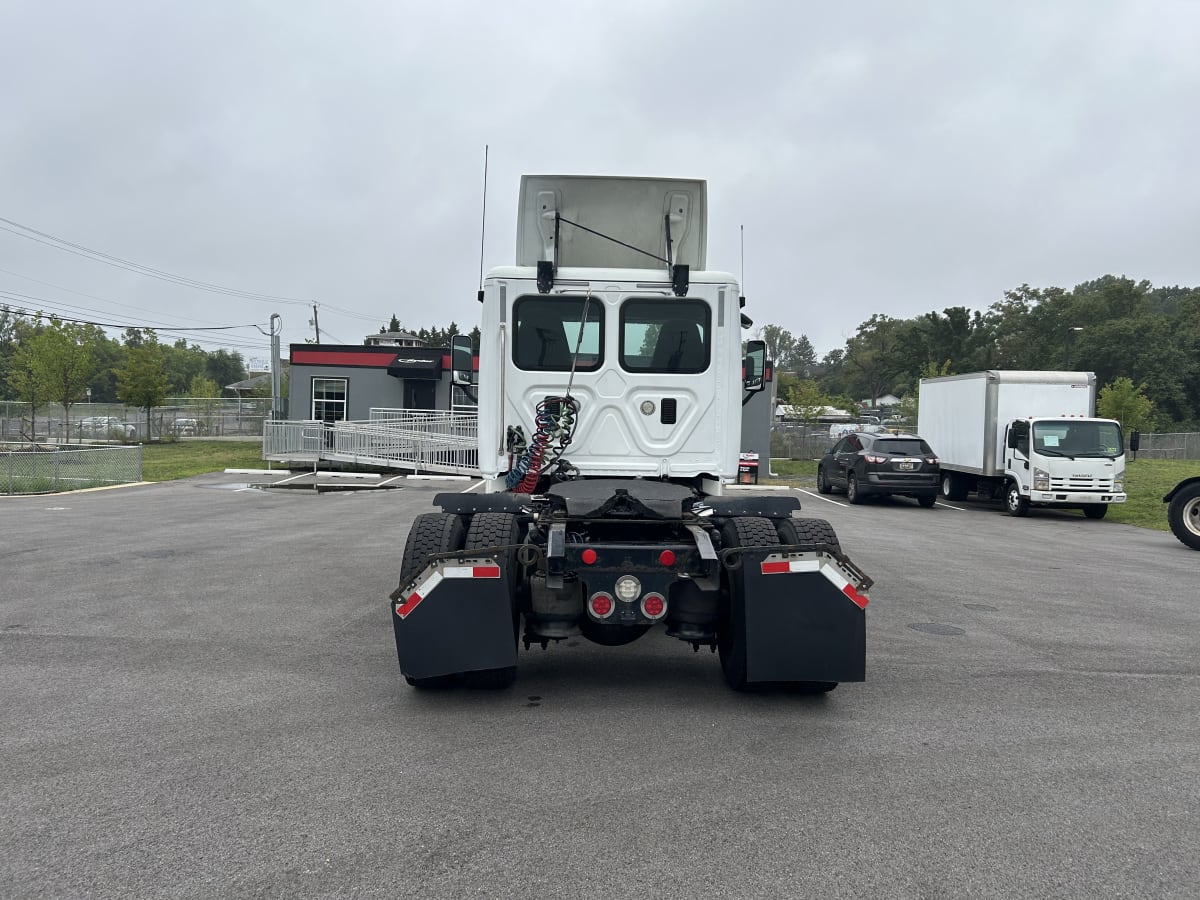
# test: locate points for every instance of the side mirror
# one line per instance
(754, 366)
(461, 358)
(1013, 440)
(1135, 440)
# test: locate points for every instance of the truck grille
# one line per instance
(1081, 483)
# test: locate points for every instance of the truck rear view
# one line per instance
(612, 378)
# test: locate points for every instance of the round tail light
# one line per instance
(601, 605)
(654, 606)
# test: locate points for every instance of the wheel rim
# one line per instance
(1014, 498)
(851, 487)
(1191, 516)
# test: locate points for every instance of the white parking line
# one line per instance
(948, 506)
(819, 497)
(471, 488)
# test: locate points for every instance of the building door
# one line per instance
(419, 394)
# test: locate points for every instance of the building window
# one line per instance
(660, 335)
(329, 399)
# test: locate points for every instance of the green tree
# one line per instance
(225, 367)
(183, 363)
(806, 397)
(1127, 403)
(25, 377)
(65, 364)
(142, 380)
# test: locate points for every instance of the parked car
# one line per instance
(187, 427)
(865, 463)
(106, 427)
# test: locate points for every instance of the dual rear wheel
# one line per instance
(749, 531)
(445, 533)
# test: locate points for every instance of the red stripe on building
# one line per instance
(318, 357)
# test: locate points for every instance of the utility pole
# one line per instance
(276, 328)
(315, 325)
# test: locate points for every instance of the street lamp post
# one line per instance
(1067, 347)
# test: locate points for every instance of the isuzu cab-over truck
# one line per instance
(1027, 437)
(611, 383)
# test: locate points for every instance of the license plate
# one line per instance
(907, 466)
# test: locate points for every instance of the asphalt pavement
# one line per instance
(199, 697)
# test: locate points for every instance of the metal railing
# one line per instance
(402, 439)
(33, 470)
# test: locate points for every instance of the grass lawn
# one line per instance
(182, 459)
(1146, 482)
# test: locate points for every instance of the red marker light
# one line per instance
(601, 605)
(588, 556)
(667, 557)
(653, 606)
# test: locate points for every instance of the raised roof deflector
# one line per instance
(632, 210)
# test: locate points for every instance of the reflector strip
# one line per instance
(822, 565)
(471, 572)
(784, 566)
(425, 588)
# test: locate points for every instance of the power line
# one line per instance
(62, 287)
(57, 243)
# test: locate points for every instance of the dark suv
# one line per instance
(863, 464)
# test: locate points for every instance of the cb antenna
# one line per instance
(483, 223)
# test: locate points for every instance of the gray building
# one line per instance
(332, 383)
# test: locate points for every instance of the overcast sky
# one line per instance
(882, 157)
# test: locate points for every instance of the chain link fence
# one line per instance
(799, 441)
(1180, 445)
(26, 469)
(178, 417)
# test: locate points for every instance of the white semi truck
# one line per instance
(611, 384)
(1029, 438)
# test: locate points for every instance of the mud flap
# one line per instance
(457, 616)
(805, 620)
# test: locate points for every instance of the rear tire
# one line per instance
(743, 531)
(952, 487)
(1014, 503)
(430, 533)
(1184, 516)
(853, 495)
(1095, 510)
(823, 482)
(808, 533)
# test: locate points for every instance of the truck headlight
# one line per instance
(1041, 480)
(1119, 482)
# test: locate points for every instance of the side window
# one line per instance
(660, 335)
(548, 330)
(329, 399)
(840, 446)
(854, 444)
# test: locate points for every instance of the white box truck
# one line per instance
(1028, 437)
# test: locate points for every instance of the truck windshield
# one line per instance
(1078, 439)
